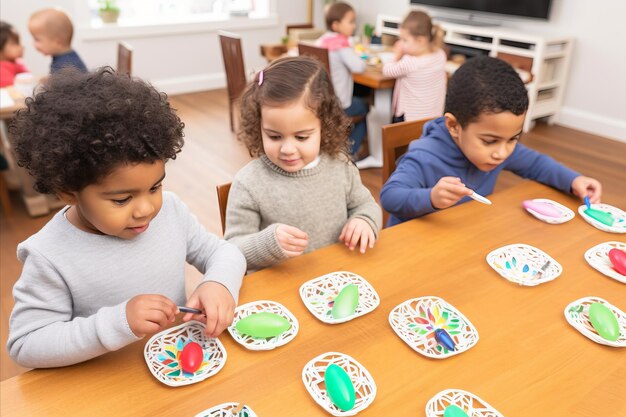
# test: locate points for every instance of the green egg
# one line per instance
(604, 321)
(339, 387)
(346, 302)
(603, 217)
(454, 411)
(263, 325)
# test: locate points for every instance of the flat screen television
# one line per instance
(538, 9)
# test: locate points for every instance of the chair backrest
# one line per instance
(396, 140)
(124, 58)
(222, 201)
(233, 64)
(297, 26)
(316, 52)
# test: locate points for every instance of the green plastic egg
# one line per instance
(263, 325)
(603, 217)
(346, 302)
(454, 411)
(604, 321)
(339, 387)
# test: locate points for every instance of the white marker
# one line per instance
(480, 198)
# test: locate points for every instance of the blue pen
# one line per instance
(587, 203)
(183, 309)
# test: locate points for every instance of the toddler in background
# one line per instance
(340, 21)
(419, 70)
(110, 267)
(52, 32)
(467, 148)
(303, 192)
(11, 52)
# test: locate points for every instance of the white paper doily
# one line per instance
(598, 258)
(227, 410)
(473, 405)
(523, 264)
(313, 379)
(263, 343)
(163, 350)
(619, 225)
(566, 213)
(319, 294)
(577, 314)
(415, 321)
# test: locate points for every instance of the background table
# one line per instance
(528, 362)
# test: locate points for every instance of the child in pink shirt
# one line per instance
(10, 54)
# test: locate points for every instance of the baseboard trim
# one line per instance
(191, 84)
(610, 128)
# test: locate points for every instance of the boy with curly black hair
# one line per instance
(109, 268)
(466, 149)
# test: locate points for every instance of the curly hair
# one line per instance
(80, 126)
(286, 80)
(485, 85)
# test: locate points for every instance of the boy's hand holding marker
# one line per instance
(587, 187)
(218, 306)
(448, 191)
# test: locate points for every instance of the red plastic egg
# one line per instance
(618, 259)
(191, 357)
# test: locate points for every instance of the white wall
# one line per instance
(594, 96)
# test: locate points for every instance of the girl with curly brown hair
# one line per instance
(303, 192)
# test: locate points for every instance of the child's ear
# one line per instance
(68, 198)
(453, 125)
(333, 26)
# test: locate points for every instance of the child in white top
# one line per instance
(419, 70)
(303, 192)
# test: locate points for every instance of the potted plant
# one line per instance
(108, 11)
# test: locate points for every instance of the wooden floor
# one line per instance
(212, 156)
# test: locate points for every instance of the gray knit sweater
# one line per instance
(70, 301)
(318, 201)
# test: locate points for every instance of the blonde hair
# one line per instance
(55, 24)
(419, 23)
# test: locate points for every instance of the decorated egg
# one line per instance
(263, 324)
(346, 302)
(542, 208)
(191, 357)
(454, 411)
(444, 339)
(603, 217)
(618, 259)
(339, 387)
(604, 321)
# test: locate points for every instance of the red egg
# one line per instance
(191, 357)
(618, 259)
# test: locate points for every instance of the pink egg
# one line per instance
(191, 357)
(618, 259)
(543, 208)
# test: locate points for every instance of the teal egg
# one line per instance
(346, 302)
(454, 411)
(263, 324)
(339, 387)
(604, 321)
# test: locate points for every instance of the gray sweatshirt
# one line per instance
(70, 301)
(318, 201)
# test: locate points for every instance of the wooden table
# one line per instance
(528, 361)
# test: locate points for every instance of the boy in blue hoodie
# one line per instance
(465, 150)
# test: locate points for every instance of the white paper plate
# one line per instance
(313, 379)
(473, 405)
(619, 225)
(522, 264)
(577, 314)
(319, 294)
(264, 343)
(163, 350)
(415, 321)
(566, 213)
(227, 410)
(598, 258)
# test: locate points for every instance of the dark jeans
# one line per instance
(358, 107)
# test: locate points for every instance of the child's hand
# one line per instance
(149, 313)
(398, 50)
(218, 305)
(292, 240)
(447, 192)
(587, 187)
(355, 230)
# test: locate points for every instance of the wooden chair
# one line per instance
(297, 26)
(124, 58)
(5, 198)
(396, 140)
(222, 200)
(235, 72)
(321, 54)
